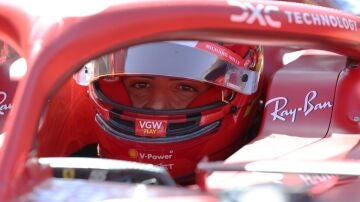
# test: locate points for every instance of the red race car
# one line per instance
(178, 100)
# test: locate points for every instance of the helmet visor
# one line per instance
(201, 61)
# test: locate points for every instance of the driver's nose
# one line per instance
(158, 101)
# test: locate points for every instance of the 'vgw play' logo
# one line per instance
(150, 128)
(150, 124)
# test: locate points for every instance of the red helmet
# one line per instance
(213, 124)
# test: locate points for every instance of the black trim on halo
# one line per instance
(189, 117)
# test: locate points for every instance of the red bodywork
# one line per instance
(311, 109)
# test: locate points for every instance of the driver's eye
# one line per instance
(140, 85)
(187, 88)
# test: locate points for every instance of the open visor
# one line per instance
(201, 61)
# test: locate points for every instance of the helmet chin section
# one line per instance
(176, 131)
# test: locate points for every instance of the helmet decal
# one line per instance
(150, 128)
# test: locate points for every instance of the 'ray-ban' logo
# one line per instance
(281, 113)
(3, 105)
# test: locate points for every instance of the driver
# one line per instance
(172, 103)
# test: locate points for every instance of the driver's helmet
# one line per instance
(211, 125)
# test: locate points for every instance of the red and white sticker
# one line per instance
(221, 52)
(150, 128)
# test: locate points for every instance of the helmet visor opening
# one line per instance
(201, 61)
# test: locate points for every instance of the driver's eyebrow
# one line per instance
(184, 80)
